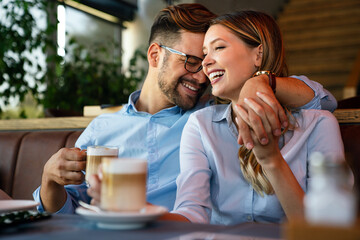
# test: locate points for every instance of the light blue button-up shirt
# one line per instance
(139, 135)
(156, 138)
(211, 187)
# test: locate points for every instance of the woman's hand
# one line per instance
(272, 108)
(94, 190)
(260, 115)
(279, 174)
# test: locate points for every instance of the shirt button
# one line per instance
(249, 218)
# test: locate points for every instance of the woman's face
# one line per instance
(228, 62)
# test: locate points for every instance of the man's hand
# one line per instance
(64, 167)
(272, 109)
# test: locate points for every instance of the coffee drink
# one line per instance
(123, 184)
(94, 156)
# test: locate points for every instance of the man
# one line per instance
(150, 125)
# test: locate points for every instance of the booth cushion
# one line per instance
(23, 156)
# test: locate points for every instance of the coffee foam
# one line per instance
(126, 165)
(102, 151)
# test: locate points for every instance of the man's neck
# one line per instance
(151, 99)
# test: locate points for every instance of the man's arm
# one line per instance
(61, 169)
(323, 99)
(290, 92)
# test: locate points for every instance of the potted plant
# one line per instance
(82, 78)
(93, 77)
(21, 38)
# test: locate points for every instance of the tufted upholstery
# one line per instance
(23, 155)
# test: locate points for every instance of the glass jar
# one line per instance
(330, 199)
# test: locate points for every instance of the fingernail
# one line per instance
(249, 146)
(285, 124)
(277, 132)
(245, 99)
(264, 141)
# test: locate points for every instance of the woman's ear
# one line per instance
(258, 55)
(153, 54)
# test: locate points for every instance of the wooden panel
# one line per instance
(46, 123)
(322, 38)
(347, 115)
(93, 111)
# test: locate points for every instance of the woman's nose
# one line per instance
(207, 61)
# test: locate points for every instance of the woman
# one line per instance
(218, 182)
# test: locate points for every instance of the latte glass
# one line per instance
(94, 156)
(123, 185)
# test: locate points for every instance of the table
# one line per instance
(66, 227)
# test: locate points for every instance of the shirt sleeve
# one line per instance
(193, 182)
(323, 99)
(85, 138)
(74, 194)
(325, 141)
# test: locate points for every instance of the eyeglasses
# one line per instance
(192, 64)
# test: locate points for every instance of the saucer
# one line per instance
(16, 205)
(123, 220)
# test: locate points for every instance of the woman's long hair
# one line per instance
(256, 28)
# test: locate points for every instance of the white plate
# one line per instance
(123, 220)
(16, 205)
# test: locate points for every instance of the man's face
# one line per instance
(181, 87)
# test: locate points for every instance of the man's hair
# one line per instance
(172, 19)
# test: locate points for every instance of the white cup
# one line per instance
(123, 185)
(94, 154)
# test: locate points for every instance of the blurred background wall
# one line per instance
(322, 41)
(322, 37)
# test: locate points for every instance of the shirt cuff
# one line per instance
(318, 93)
(66, 208)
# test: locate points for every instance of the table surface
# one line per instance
(63, 226)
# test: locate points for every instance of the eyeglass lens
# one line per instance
(193, 64)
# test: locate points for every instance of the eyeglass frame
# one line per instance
(185, 55)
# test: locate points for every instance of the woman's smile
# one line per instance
(216, 76)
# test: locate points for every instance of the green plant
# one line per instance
(21, 37)
(91, 77)
(82, 78)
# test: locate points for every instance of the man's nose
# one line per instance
(200, 77)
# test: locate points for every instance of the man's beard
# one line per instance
(170, 89)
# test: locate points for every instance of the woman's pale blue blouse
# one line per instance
(211, 187)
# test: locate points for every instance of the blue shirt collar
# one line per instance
(134, 97)
(223, 114)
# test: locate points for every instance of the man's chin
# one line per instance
(188, 103)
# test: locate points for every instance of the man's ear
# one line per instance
(258, 55)
(153, 54)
